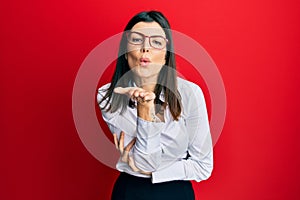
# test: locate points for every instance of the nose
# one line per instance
(146, 45)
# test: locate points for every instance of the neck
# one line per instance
(146, 83)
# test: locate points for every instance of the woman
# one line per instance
(159, 121)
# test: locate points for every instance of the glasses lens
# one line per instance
(135, 38)
(158, 42)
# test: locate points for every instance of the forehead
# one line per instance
(148, 28)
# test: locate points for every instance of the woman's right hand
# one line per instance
(136, 94)
(144, 99)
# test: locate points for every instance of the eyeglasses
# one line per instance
(155, 41)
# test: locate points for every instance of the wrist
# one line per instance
(146, 112)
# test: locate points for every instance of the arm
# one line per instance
(116, 121)
(200, 163)
(146, 151)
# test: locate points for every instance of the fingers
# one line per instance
(142, 96)
(125, 154)
(121, 142)
(125, 157)
(121, 90)
(149, 96)
(134, 168)
(130, 145)
(127, 90)
(136, 93)
(116, 141)
(132, 165)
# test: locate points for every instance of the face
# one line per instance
(143, 59)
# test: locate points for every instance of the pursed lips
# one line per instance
(144, 61)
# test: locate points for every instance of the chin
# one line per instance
(145, 75)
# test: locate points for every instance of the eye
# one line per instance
(157, 42)
(136, 40)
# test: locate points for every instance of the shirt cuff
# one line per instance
(175, 171)
(148, 136)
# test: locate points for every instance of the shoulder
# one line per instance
(187, 87)
(102, 91)
(191, 95)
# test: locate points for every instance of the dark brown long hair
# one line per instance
(167, 78)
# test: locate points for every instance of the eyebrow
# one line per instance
(148, 35)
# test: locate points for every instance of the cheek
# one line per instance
(160, 58)
(132, 59)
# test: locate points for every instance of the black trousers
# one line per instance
(128, 187)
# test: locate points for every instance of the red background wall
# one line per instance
(255, 45)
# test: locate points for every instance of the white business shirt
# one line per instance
(163, 147)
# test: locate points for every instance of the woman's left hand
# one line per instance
(125, 157)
